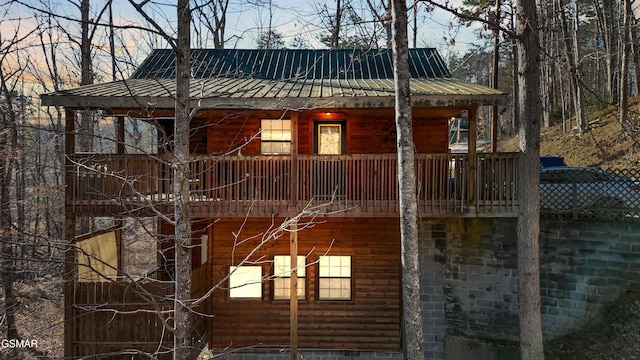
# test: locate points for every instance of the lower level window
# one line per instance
(245, 282)
(334, 281)
(282, 277)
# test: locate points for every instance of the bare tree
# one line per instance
(412, 314)
(572, 53)
(181, 185)
(528, 227)
(210, 18)
(624, 63)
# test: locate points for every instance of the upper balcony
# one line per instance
(363, 185)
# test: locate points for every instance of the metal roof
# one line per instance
(282, 79)
(293, 64)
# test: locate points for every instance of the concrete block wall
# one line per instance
(480, 280)
(433, 237)
(584, 266)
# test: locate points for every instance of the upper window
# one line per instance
(334, 281)
(329, 137)
(245, 282)
(275, 136)
(282, 277)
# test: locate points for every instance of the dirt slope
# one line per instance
(606, 144)
(615, 335)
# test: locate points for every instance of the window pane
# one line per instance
(245, 282)
(335, 266)
(281, 288)
(282, 272)
(335, 278)
(275, 129)
(334, 289)
(275, 137)
(330, 139)
(282, 265)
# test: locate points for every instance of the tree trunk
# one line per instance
(581, 122)
(335, 35)
(636, 54)
(7, 162)
(624, 64)
(547, 73)
(85, 131)
(183, 260)
(412, 314)
(607, 20)
(528, 227)
(571, 56)
(494, 79)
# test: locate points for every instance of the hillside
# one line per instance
(605, 144)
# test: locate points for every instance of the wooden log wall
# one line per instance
(371, 320)
(367, 131)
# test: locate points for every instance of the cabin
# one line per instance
(293, 167)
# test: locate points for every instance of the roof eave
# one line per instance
(92, 102)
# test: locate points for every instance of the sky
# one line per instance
(297, 18)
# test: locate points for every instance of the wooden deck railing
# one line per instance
(342, 185)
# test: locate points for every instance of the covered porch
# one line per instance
(359, 185)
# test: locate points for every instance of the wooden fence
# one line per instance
(127, 320)
(120, 320)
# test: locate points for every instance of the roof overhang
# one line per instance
(228, 93)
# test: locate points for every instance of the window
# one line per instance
(334, 278)
(275, 136)
(329, 137)
(245, 282)
(282, 277)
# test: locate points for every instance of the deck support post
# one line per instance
(69, 237)
(293, 290)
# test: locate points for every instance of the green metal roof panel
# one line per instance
(293, 64)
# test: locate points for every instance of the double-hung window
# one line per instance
(282, 277)
(275, 136)
(334, 277)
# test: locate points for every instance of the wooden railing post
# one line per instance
(473, 159)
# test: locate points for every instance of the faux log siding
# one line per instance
(198, 143)
(368, 132)
(371, 321)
